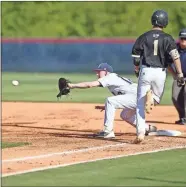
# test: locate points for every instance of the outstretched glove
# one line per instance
(63, 87)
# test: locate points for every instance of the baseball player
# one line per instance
(125, 94)
(150, 53)
(179, 92)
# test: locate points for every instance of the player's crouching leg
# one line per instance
(129, 116)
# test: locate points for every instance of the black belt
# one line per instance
(148, 66)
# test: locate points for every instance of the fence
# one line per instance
(65, 55)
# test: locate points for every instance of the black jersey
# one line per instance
(154, 47)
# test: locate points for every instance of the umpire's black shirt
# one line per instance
(182, 53)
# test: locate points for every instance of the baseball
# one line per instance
(15, 82)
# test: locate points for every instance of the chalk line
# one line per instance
(64, 152)
(94, 160)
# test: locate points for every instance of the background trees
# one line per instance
(86, 19)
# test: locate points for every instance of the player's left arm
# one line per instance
(85, 84)
(173, 52)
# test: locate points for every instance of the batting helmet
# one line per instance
(159, 18)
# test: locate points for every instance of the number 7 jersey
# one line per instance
(154, 48)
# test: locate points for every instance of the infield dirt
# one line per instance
(58, 127)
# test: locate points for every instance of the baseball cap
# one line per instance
(104, 67)
(182, 33)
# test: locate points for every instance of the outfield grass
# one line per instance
(166, 168)
(12, 144)
(42, 87)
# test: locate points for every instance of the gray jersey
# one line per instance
(118, 85)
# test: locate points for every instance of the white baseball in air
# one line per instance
(15, 82)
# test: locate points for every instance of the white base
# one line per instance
(165, 133)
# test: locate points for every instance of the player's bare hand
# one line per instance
(100, 108)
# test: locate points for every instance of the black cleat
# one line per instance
(181, 121)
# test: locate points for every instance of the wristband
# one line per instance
(180, 75)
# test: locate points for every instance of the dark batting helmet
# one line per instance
(159, 18)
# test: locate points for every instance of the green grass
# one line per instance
(166, 168)
(42, 87)
(12, 144)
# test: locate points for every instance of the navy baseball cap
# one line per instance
(182, 33)
(104, 67)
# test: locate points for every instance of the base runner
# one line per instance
(150, 53)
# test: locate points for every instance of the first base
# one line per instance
(165, 133)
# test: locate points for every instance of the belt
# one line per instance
(148, 66)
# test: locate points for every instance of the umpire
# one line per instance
(179, 93)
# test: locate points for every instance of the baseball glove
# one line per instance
(63, 87)
(180, 81)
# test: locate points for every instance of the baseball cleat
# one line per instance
(107, 135)
(140, 137)
(181, 121)
(151, 129)
(149, 104)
